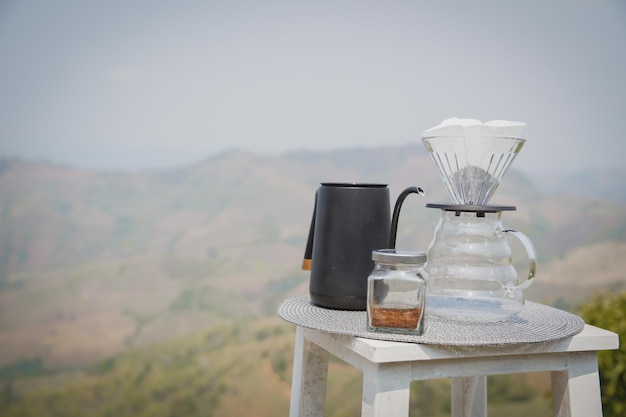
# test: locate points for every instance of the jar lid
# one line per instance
(398, 256)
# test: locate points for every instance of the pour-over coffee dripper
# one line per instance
(470, 272)
(471, 167)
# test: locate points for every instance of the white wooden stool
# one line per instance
(389, 368)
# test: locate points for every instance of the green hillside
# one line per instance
(226, 370)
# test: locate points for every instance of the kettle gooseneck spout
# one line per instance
(393, 231)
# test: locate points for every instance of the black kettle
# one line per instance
(350, 220)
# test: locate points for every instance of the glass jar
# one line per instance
(396, 292)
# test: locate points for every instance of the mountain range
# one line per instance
(95, 263)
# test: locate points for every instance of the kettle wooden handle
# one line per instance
(307, 262)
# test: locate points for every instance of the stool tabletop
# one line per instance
(591, 338)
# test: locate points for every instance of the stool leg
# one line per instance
(386, 390)
(308, 384)
(576, 391)
(469, 396)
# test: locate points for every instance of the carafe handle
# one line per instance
(532, 258)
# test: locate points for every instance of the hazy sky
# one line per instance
(150, 84)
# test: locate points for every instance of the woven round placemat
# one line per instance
(535, 323)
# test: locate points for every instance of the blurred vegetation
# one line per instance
(229, 370)
(608, 310)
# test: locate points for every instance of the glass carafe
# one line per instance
(470, 271)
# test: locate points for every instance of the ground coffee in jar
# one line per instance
(396, 292)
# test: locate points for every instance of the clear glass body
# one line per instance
(470, 272)
(395, 298)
